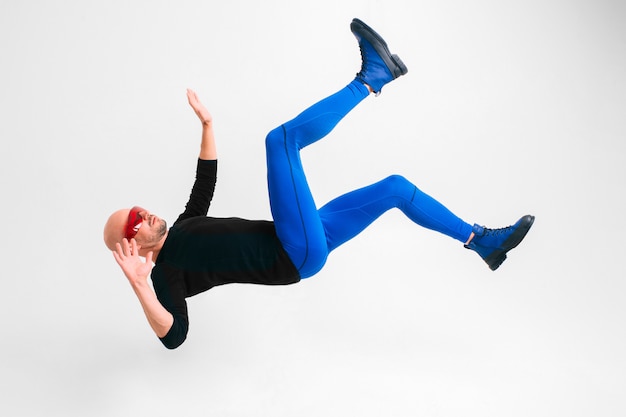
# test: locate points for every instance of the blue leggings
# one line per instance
(309, 234)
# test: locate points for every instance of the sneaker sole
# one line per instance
(495, 259)
(393, 62)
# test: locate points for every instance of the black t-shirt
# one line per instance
(202, 252)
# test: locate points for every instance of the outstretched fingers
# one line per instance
(191, 96)
(124, 250)
(126, 254)
(193, 100)
(201, 111)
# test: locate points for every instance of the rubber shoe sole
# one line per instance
(495, 259)
(392, 61)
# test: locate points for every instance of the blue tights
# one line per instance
(309, 234)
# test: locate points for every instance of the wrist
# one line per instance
(139, 283)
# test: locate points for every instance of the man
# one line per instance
(200, 252)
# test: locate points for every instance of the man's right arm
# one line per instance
(158, 317)
(137, 271)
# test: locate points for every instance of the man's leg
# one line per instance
(298, 224)
(348, 215)
(294, 211)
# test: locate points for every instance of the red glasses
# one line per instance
(134, 222)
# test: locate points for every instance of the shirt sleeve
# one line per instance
(171, 294)
(177, 334)
(202, 190)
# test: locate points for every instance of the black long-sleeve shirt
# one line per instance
(202, 252)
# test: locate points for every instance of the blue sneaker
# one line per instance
(493, 244)
(379, 66)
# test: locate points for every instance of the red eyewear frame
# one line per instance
(134, 222)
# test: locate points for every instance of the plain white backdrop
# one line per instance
(508, 108)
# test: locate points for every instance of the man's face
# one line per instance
(146, 228)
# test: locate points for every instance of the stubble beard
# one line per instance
(158, 234)
(162, 230)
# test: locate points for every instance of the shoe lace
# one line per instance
(363, 57)
(497, 232)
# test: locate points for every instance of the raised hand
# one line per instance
(201, 111)
(127, 257)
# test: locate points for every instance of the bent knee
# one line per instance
(276, 137)
(395, 184)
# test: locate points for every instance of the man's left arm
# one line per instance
(206, 172)
(208, 150)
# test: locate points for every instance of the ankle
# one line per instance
(470, 238)
(364, 84)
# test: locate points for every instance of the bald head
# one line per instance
(150, 232)
(114, 228)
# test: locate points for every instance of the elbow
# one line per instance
(176, 336)
(171, 345)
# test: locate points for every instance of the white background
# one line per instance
(508, 108)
